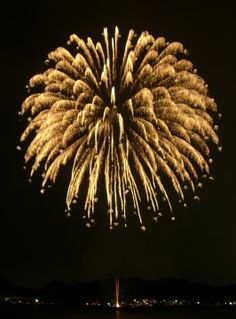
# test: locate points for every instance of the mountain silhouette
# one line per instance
(103, 290)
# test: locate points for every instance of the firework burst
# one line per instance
(128, 119)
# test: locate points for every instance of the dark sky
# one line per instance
(38, 243)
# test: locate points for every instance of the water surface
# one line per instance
(170, 313)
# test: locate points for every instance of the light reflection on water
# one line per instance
(162, 314)
(29, 312)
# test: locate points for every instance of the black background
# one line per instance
(38, 243)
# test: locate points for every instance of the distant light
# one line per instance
(36, 300)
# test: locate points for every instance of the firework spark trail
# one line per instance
(123, 120)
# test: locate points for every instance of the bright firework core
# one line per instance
(129, 118)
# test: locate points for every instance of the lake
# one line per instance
(28, 312)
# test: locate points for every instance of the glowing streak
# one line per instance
(117, 292)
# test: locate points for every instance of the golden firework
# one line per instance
(129, 118)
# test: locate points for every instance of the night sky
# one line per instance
(38, 242)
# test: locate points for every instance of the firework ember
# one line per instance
(128, 118)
